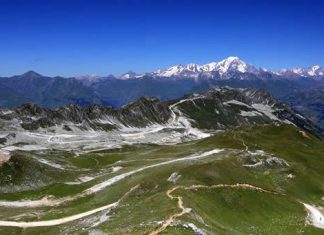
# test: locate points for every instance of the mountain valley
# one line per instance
(213, 162)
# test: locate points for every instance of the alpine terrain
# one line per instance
(221, 161)
(137, 117)
(291, 86)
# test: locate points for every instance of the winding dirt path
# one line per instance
(170, 220)
(246, 147)
(185, 210)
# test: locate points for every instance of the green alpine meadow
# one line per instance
(227, 161)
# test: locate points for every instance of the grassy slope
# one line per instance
(219, 211)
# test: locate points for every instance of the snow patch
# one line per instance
(86, 178)
(174, 177)
(249, 113)
(266, 110)
(116, 168)
(194, 228)
(315, 216)
(49, 163)
(237, 103)
(25, 148)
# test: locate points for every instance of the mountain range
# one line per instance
(195, 162)
(287, 85)
(188, 118)
(228, 68)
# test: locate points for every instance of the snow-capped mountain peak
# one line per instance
(314, 71)
(130, 75)
(226, 69)
(192, 67)
(210, 67)
(174, 70)
(183, 70)
(231, 64)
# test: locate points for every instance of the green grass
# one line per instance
(218, 211)
(246, 212)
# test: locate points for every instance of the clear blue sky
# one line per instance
(72, 37)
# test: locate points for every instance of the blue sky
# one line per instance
(72, 38)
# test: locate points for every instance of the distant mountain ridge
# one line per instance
(218, 70)
(190, 117)
(225, 69)
(167, 84)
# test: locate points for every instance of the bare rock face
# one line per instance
(224, 108)
(140, 113)
(219, 108)
(174, 177)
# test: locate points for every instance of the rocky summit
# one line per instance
(214, 110)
